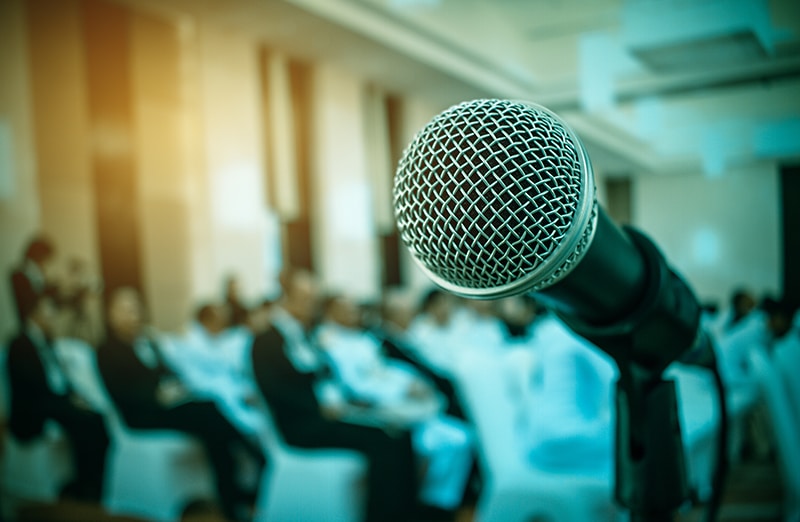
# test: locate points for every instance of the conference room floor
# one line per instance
(754, 494)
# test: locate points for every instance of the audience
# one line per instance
(149, 395)
(41, 391)
(295, 380)
(384, 381)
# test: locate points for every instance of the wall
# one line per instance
(721, 232)
(19, 202)
(232, 150)
(346, 248)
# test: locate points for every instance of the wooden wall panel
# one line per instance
(107, 45)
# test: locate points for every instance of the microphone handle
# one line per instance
(624, 298)
(608, 284)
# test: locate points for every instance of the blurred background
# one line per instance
(176, 145)
(170, 144)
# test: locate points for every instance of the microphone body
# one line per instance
(496, 198)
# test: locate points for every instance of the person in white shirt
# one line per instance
(396, 392)
(212, 360)
(432, 332)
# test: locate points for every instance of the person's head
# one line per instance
(397, 311)
(258, 317)
(300, 295)
(43, 314)
(343, 311)
(40, 251)
(124, 314)
(438, 305)
(232, 288)
(213, 318)
(742, 303)
(481, 307)
(519, 310)
(779, 316)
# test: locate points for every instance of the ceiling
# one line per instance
(650, 85)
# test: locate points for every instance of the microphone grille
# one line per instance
(494, 198)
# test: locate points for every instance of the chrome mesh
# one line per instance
(487, 194)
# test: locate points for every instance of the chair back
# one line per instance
(785, 430)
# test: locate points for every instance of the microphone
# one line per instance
(495, 198)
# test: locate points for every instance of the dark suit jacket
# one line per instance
(32, 400)
(131, 385)
(25, 295)
(288, 392)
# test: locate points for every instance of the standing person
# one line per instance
(79, 297)
(40, 391)
(30, 280)
(149, 395)
(291, 372)
(237, 311)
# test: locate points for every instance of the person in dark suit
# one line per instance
(149, 395)
(29, 280)
(290, 372)
(41, 391)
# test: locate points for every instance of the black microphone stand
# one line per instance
(650, 470)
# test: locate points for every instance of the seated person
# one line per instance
(370, 379)
(41, 391)
(397, 315)
(433, 331)
(148, 395)
(295, 382)
(212, 360)
(210, 354)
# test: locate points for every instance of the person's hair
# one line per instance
(287, 277)
(39, 249)
(328, 302)
(204, 312)
(739, 295)
(431, 298)
(777, 307)
(37, 302)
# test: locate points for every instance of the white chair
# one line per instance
(312, 485)
(514, 490)
(37, 469)
(785, 431)
(698, 411)
(154, 473)
(149, 473)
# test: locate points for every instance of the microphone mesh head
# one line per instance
(495, 198)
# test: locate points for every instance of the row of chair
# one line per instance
(156, 474)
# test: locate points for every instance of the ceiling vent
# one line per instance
(680, 35)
